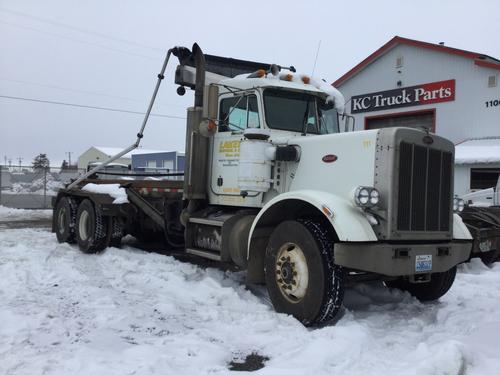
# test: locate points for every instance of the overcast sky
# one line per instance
(106, 53)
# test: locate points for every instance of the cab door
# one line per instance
(236, 113)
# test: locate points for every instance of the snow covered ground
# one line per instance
(130, 312)
(17, 214)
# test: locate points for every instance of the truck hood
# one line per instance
(335, 163)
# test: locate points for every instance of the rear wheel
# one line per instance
(301, 276)
(91, 228)
(116, 233)
(65, 219)
(437, 287)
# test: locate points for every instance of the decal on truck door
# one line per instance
(228, 153)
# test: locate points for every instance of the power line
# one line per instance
(79, 29)
(78, 40)
(88, 106)
(75, 90)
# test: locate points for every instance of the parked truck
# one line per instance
(481, 215)
(275, 185)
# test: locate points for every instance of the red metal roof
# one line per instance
(479, 58)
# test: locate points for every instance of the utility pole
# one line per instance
(45, 187)
(5, 160)
(69, 157)
(20, 161)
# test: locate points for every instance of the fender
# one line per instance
(349, 222)
(460, 230)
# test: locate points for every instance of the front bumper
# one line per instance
(401, 259)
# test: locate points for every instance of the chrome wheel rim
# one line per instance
(292, 273)
(84, 225)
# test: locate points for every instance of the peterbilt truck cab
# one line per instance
(275, 185)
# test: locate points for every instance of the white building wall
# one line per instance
(465, 117)
(94, 155)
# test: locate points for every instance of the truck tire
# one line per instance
(65, 219)
(437, 287)
(301, 277)
(116, 234)
(489, 257)
(91, 229)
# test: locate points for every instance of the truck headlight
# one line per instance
(366, 196)
(458, 204)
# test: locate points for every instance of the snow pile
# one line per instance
(17, 214)
(126, 311)
(478, 151)
(113, 190)
(37, 186)
(334, 95)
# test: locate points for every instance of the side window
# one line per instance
(483, 178)
(238, 113)
(253, 112)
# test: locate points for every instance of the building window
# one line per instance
(168, 164)
(399, 62)
(483, 178)
(492, 81)
(151, 164)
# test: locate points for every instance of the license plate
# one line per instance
(423, 263)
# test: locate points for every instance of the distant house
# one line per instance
(101, 154)
(477, 164)
(162, 162)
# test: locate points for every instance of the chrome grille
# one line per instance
(424, 195)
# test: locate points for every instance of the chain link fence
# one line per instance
(29, 187)
(33, 188)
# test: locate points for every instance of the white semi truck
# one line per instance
(275, 185)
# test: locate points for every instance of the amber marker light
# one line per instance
(306, 80)
(327, 211)
(257, 74)
(211, 125)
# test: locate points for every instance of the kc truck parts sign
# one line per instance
(435, 92)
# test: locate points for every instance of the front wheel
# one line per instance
(301, 276)
(432, 290)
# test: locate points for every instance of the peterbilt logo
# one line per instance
(330, 158)
(442, 91)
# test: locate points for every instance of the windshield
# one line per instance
(299, 112)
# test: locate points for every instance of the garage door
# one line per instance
(411, 120)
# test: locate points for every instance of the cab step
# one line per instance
(212, 255)
(204, 221)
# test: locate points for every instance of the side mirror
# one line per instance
(349, 122)
(210, 102)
